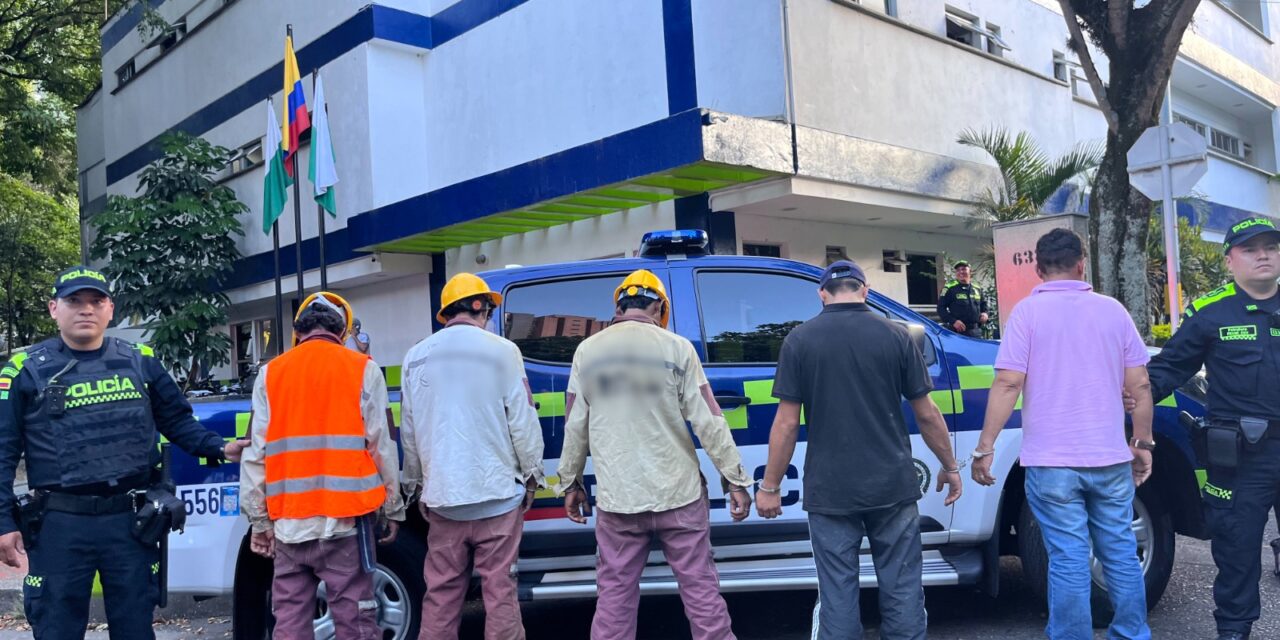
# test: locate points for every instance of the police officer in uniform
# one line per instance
(962, 307)
(84, 410)
(1234, 332)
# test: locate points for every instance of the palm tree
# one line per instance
(1028, 175)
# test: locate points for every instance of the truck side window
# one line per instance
(746, 314)
(548, 320)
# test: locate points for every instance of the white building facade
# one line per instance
(473, 134)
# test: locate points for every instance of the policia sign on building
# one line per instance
(86, 409)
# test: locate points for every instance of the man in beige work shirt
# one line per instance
(320, 474)
(632, 388)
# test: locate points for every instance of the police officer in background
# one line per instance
(84, 409)
(1234, 332)
(962, 307)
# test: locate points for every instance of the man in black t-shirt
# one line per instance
(849, 368)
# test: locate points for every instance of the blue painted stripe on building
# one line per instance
(672, 142)
(374, 21)
(355, 31)
(126, 24)
(465, 16)
(260, 267)
(677, 36)
(668, 143)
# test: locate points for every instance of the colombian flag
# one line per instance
(295, 117)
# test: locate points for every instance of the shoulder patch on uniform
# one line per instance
(1221, 293)
(144, 349)
(951, 283)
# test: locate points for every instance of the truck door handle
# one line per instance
(732, 401)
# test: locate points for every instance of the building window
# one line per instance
(125, 73)
(1251, 11)
(893, 261)
(171, 36)
(762, 250)
(1225, 143)
(245, 158)
(1197, 126)
(549, 320)
(746, 315)
(835, 254)
(1063, 67)
(967, 29)
(922, 279)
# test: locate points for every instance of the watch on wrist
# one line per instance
(1145, 445)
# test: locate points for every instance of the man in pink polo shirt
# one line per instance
(1071, 353)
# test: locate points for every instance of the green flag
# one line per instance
(323, 171)
(276, 183)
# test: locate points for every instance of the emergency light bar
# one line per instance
(687, 242)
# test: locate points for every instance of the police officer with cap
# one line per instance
(84, 410)
(962, 307)
(1234, 332)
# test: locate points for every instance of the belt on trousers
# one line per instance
(89, 505)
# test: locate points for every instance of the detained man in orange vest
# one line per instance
(320, 478)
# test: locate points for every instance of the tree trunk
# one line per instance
(1118, 230)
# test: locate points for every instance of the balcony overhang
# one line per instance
(686, 154)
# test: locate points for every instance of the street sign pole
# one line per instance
(1172, 259)
(1165, 163)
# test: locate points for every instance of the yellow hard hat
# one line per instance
(330, 301)
(462, 286)
(642, 282)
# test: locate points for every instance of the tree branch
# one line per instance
(1090, 70)
(1118, 14)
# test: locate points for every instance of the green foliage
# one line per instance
(38, 237)
(1030, 177)
(170, 249)
(1160, 334)
(1202, 269)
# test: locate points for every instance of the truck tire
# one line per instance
(1154, 527)
(398, 588)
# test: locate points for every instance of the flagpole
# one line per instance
(297, 204)
(324, 265)
(277, 332)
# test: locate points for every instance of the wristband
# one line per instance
(760, 486)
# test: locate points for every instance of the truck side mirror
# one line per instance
(921, 338)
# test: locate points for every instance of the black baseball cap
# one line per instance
(961, 263)
(1249, 228)
(842, 269)
(79, 278)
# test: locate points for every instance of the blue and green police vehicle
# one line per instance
(736, 310)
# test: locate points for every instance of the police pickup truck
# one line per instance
(736, 310)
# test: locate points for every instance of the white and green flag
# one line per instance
(323, 171)
(275, 186)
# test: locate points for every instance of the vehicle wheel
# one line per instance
(1153, 528)
(398, 588)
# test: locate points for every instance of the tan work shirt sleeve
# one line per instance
(699, 406)
(253, 468)
(377, 434)
(573, 455)
(522, 420)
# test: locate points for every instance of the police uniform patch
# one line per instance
(1238, 332)
(5, 383)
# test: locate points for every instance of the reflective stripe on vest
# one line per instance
(323, 483)
(317, 462)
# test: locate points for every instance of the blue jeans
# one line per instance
(1074, 506)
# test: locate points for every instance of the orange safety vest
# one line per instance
(316, 458)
